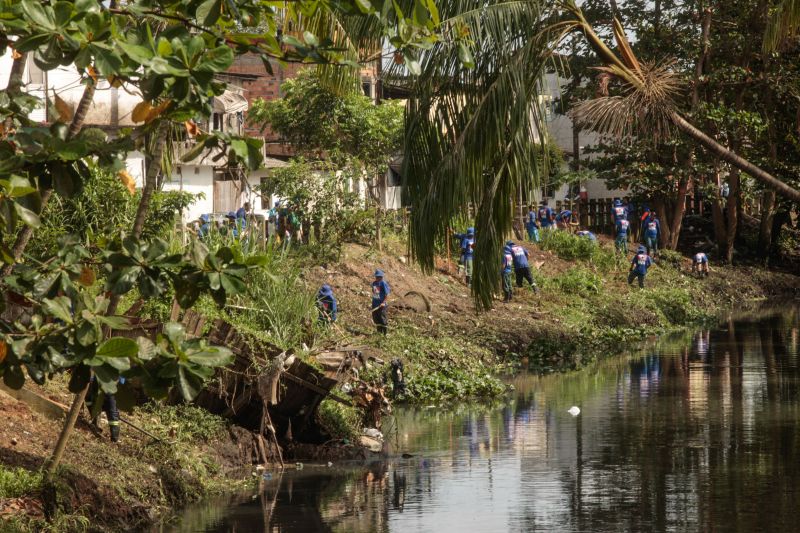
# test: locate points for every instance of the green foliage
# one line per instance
(348, 129)
(573, 248)
(102, 210)
(671, 258)
(322, 194)
(60, 523)
(16, 482)
(184, 423)
(341, 421)
(280, 309)
(674, 303)
(443, 368)
(68, 317)
(579, 281)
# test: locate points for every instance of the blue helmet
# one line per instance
(325, 290)
(470, 231)
(379, 273)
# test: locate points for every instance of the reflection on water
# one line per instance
(698, 433)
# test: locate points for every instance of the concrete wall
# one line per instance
(193, 182)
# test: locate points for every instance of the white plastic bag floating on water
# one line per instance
(574, 410)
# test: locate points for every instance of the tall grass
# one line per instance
(278, 307)
(570, 247)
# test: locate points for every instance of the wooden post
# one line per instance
(447, 248)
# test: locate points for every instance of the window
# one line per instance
(266, 198)
(366, 85)
(394, 179)
(218, 123)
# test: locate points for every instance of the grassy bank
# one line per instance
(585, 310)
(111, 487)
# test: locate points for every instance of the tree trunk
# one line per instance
(378, 230)
(660, 207)
(66, 430)
(14, 86)
(678, 210)
(783, 216)
(153, 166)
(26, 232)
(765, 228)
(717, 215)
(735, 160)
(732, 216)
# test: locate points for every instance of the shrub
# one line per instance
(183, 423)
(579, 281)
(573, 248)
(675, 304)
(16, 482)
(341, 421)
(670, 257)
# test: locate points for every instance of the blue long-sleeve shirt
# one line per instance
(545, 216)
(531, 221)
(328, 307)
(652, 227)
(619, 212)
(508, 261)
(641, 262)
(520, 256)
(380, 290)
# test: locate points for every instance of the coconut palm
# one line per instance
(473, 135)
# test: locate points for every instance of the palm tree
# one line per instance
(473, 134)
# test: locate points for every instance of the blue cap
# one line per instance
(509, 243)
(642, 248)
(617, 201)
(470, 231)
(379, 273)
(231, 214)
(205, 218)
(325, 290)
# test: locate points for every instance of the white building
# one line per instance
(218, 188)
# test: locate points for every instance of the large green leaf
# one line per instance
(211, 356)
(118, 347)
(189, 384)
(216, 60)
(58, 308)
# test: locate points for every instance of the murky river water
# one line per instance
(697, 433)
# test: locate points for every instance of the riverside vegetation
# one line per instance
(585, 310)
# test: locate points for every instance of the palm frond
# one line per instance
(359, 37)
(642, 110)
(472, 135)
(784, 23)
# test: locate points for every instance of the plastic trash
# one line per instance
(374, 433)
(330, 464)
(267, 476)
(299, 466)
(574, 410)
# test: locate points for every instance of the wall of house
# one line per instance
(258, 83)
(199, 182)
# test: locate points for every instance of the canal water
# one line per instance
(697, 432)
